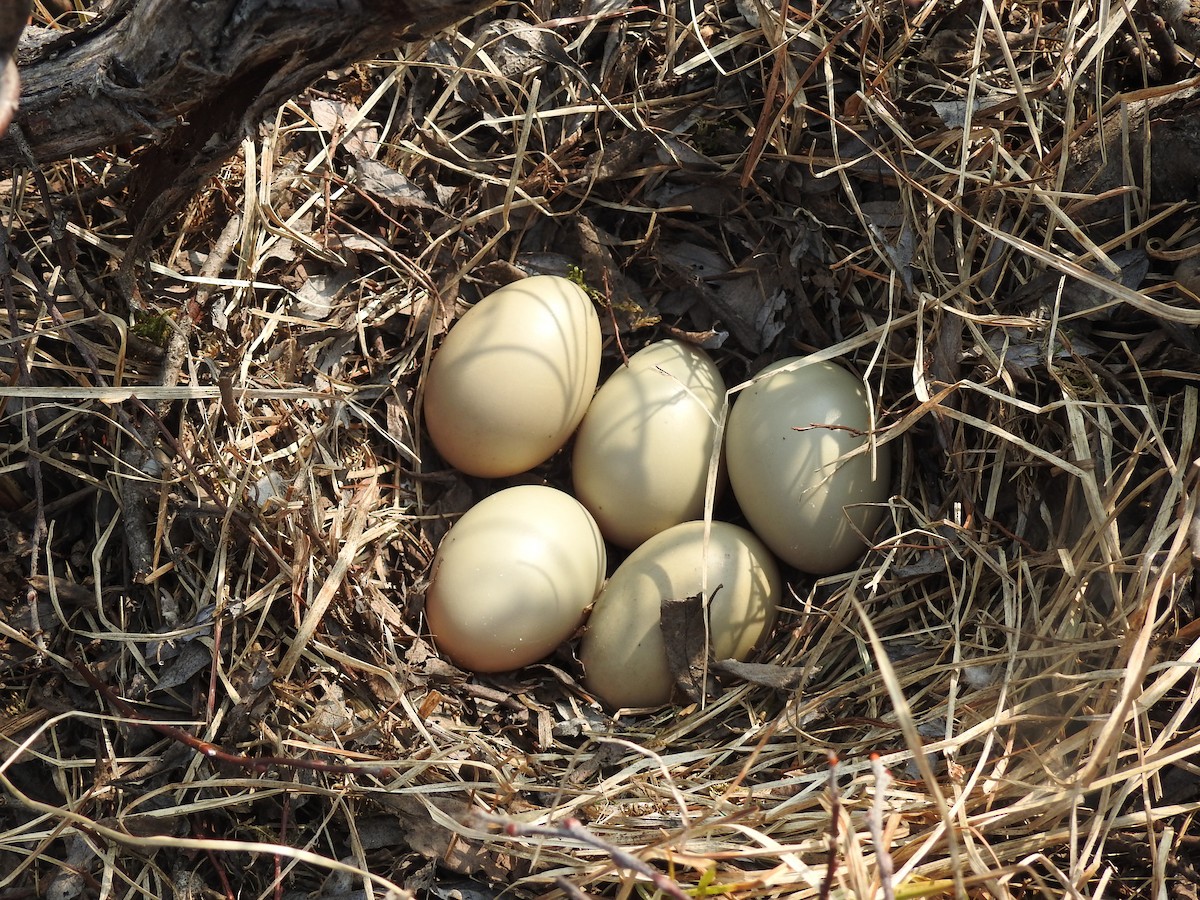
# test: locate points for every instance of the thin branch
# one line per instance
(573, 829)
(835, 813)
(33, 460)
(214, 752)
(883, 858)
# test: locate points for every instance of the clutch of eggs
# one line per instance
(515, 576)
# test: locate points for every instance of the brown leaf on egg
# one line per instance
(706, 340)
(681, 621)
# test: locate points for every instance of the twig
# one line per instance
(571, 890)
(573, 829)
(607, 297)
(33, 461)
(835, 812)
(883, 858)
(214, 860)
(136, 492)
(283, 828)
(773, 99)
(212, 751)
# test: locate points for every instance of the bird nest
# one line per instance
(220, 509)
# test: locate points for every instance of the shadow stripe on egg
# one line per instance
(513, 377)
(513, 577)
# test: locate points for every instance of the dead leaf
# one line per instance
(953, 113)
(331, 714)
(333, 116)
(336, 242)
(707, 197)
(516, 48)
(927, 562)
(1016, 352)
(65, 591)
(945, 358)
(463, 889)
(776, 677)
(377, 832)
(672, 150)
(749, 298)
(748, 301)
(316, 297)
(433, 840)
(618, 157)
(194, 657)
(893, 231)
(1079, 298)
(254, 688)
(681, 621)
(693, 261)
(160, 650)
(752, 8)
(70, 881)
(708, 340)
(424, 663)
(385, 183)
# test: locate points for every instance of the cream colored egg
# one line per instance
(513, 577)
(643, 450)
(785, 436)
(623, 651)
(513, 377)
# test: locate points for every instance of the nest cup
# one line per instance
(1006, 679)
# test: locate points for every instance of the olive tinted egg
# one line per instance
(786, 442)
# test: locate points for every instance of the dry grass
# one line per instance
(239, 509)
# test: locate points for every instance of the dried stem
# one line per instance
(883, 856)
(214, 752)
(573, 829)
(835, 813)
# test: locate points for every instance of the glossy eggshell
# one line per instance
(792, 490)
(643, 450)
(513, 377)
(513, 577)
(623, 651)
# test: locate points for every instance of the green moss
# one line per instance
(155, 328)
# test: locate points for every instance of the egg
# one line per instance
(513, 377)
(513, 577)
(623, 650)
(642, 454)
(784, 442)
